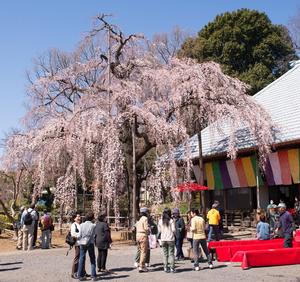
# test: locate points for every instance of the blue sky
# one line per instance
(29, 28)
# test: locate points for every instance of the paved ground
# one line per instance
(53, 265)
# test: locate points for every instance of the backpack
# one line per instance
(28, 218)
(70, 240)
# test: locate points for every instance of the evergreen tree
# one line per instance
(246, 44)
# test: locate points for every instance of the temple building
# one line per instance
(239, 184)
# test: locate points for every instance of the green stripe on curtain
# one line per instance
(254, 162)
(217, 176)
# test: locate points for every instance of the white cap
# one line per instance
(281, 205)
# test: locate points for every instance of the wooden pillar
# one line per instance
(257, 181)
(201, 176)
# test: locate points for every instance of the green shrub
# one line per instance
(4, 222)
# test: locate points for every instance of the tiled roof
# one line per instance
(281, 99)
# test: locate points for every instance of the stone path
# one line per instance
(53, 266)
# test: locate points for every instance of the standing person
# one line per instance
(179, 234)
(166, 229)
(153, 231)
(19, 228)
(297, 210)
(263, 229)
(75, 227)
(45, 224)
(102, 242)
(28, 221)
(286, 225)
(36, 225)
(271, 215)
(221, 212)
(214, 218)
(189, 236)
(142, 231)
(189, 233)
(86, 244)
(198, 229)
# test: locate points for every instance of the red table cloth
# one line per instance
(269, 257)
(227, 252)
(214, 244)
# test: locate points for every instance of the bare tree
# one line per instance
(166, 45)
(294, 28)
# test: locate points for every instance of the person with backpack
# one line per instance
(102, 242)
(35, 227)
(45, 224)
(86, 240)
(27, 221)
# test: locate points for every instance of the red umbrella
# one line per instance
(189, 187)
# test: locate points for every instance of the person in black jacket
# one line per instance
(102, 242)
(180, 233)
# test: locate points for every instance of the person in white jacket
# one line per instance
(75, 227)
(166, 231)
(86, 240)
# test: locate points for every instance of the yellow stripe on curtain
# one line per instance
(210, 176)
(249, 172)
(293, 155)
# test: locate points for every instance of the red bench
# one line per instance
(223, 243)
(227, 252)
(268, 257)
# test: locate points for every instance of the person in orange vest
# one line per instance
(214, 218)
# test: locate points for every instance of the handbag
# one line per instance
(152, 241)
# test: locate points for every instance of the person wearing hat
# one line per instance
(142, 232)
(179, 234)
(285, 225)
(214, 218)
(271, 215)
(19, 225)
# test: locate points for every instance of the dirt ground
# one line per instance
(8, 243)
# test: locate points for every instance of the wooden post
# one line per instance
(61, 211)
(108, 211)
(201, 176)
(83, 201)
(257, 181)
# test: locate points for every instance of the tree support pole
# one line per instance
(134, 194)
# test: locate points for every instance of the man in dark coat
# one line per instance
(102, 242)
(286, 226)
(180, 233)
